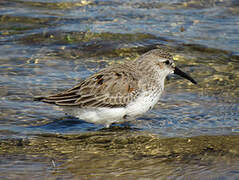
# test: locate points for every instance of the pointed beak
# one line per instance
(184, 75)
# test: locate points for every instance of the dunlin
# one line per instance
(119, 92)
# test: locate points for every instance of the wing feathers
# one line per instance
(112, 87)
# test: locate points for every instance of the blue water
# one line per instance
(48, 46)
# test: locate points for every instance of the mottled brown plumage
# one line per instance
(120, 90)
(116, 86)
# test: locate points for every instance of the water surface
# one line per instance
(48, 46)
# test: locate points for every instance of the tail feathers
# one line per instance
(38, 98)
(45, 99)
(56, 99)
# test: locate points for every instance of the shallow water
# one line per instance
(48, 46)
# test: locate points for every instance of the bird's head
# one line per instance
(163, 63)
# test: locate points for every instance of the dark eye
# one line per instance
(167, 62)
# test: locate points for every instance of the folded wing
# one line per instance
(116, 86)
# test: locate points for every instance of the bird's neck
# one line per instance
(153, 77)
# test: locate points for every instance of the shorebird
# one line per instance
(119, 92)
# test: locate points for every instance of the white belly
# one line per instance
(108, 116)
(142, 104)
(104, 116)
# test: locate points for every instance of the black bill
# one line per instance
(184, 75)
